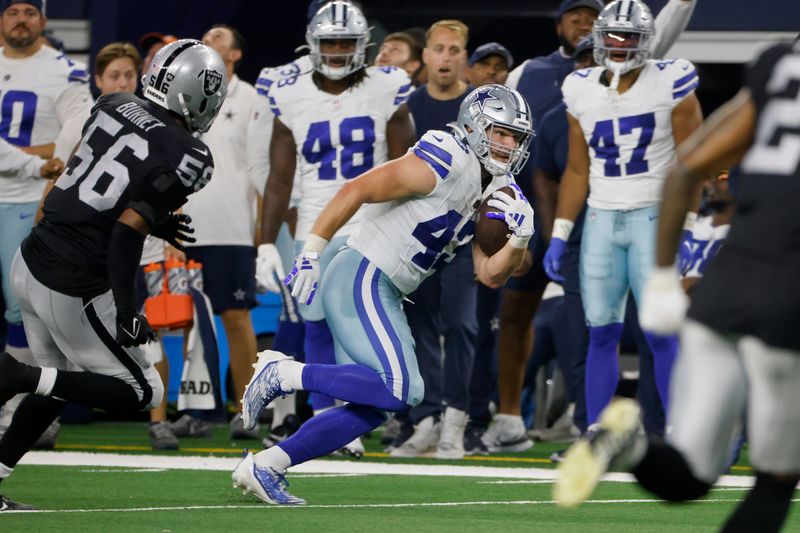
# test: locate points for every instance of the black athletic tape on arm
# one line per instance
(124, 254)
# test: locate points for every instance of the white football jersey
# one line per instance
(338, 137)
(630, 139)
(223, 212)
(411, 238)
(38, 95)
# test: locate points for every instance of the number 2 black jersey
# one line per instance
(753, 285)
(132, 155)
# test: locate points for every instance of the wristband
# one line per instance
(519, 242)
(562, 228)
(314, 246)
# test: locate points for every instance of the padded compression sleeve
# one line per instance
(124, 254)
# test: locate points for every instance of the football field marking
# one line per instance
(357, 506)
(321, 466)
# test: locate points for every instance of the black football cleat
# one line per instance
(7, 504)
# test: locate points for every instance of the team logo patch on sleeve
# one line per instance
(212, 80)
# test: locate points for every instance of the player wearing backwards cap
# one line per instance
(74, 275)
(422, 208)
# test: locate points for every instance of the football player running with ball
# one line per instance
(74, 275)
(421, 210)
(332, 123)
(626, 117)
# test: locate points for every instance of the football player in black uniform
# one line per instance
(741, 340)
(74, 275)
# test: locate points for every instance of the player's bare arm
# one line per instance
(282, 154)
(493, 271)
(720, 143)
(575, 181)
(400, 134)
(400, 178)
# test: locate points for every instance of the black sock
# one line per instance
(664, 472)
(25, 378)
(766, 506)
(95, 390)
(32, 417)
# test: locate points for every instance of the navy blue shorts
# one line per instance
(229, 275)
(536, 278)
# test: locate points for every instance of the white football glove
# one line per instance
(305, 273)
(305, 276)
(517, 214)
(664, 302)
(269, 268)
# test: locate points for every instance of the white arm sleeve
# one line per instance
(670, 23)
(70, 135)
(14, 163)
(75, 100)
(259, 134)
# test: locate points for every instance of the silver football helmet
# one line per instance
(623, 35)
(338, 20)
(188, 78)
(487, 108)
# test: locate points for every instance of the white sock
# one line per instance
(274, 458)
(292, 374)
(47, 379)
(281, 408)
(5, 471)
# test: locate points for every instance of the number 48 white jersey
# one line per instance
(630, 138)
(338, 137)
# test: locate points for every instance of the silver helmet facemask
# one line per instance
(338, 20)
(487, 108)
(189, 78)
(623, 27)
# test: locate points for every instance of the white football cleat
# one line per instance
(265, 385)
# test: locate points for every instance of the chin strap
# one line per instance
(185, 110)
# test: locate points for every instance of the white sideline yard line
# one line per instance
(355, 506)
(317, 466)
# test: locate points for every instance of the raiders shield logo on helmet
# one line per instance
(211, 81)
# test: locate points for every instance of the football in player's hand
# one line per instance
(491, 233)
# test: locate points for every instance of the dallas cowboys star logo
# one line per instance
(482, 97)
(239, 295)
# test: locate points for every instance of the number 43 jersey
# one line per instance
(630, 140)
(409, 239)
(132, 154)
(338, 137)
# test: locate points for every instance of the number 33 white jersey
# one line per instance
(338, 137)
(630, 140)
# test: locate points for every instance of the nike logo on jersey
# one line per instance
(440, 139)
(652, 217)
(23, 216)
(204, 152)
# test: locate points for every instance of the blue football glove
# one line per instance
(552, 259)
(305, 276)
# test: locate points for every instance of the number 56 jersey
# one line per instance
(132, 155)
(338, 137)
(630, 140)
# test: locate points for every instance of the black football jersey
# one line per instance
(753, 285)
(133, 154)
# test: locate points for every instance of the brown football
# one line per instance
(491, 233)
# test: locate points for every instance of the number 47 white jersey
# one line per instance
(338, 137)
(630, 140)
